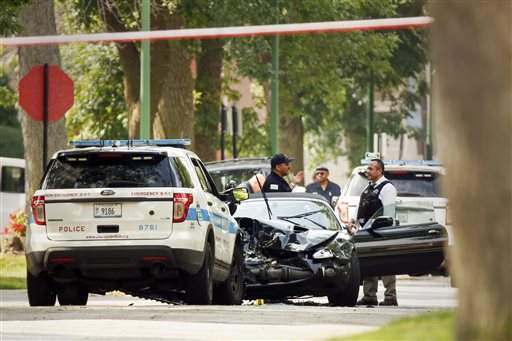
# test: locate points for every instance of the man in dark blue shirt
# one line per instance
(280, 164)
(323, 185)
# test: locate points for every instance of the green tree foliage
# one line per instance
(324, 78)
(9, 21)
(11, 143)
(8, 98)
(99, 110)
(254, 142)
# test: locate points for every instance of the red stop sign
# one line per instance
(60, 92)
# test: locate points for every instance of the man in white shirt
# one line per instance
(378, 199)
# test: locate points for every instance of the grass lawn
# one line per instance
(12, 272)
(430, 326)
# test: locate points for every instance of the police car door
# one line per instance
(219, 215)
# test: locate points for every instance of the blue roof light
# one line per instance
(179, 143)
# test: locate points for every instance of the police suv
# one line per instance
(140, 216)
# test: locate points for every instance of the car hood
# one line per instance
(283, 235)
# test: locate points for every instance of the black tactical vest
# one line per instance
(370, 202)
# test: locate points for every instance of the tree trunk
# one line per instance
(208, 85)
(129, 57)
(176, 105)
(38, 18)
(473, 53)
(291, 139)
(171, 77)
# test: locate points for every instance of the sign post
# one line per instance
(46, 93)
(45, 115)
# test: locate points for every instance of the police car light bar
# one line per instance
(179, 143)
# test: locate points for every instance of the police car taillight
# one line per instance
(181, 204)
(38, 209)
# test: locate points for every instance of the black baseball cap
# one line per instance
(280, 158)
(321, 169)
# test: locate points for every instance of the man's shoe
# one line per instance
(367, 301)
(389, 302)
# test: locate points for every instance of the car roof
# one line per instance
(289, 195)
(259, 162)
(171, 151)
(10, 161)
(411, 167)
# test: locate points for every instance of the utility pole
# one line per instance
(429, 148)
(274, 116)
(145, 75)
(369, 125)
(234, 120)
(223, 118)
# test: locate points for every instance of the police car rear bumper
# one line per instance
(114, 263)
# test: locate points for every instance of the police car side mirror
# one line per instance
(382, 221)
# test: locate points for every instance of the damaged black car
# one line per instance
(295, 246)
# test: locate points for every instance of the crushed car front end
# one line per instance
(286, 260)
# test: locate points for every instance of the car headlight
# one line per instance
(323, 254)
(339, 248)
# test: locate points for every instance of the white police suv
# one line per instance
(140, 216)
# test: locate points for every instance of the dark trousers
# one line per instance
(370, 285)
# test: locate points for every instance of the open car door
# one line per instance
(384, 249)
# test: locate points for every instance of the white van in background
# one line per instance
(12, 187)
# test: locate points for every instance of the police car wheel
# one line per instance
(348, 297)
(72, 295)
(40, 290)
(230, 292)
(200, 286)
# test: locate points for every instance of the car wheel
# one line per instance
(200, 286)
(40, 290)
(231, 291)
(72, 295)
(348, 297)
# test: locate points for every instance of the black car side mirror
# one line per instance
(383, 221)
(234, 196)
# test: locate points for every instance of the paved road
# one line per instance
(118, 317)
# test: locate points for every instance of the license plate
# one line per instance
(107, 210)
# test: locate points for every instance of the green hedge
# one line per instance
(11, 142)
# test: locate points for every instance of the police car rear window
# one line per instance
(98, 170)
(407, 183)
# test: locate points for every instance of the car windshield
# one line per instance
(222, 177)
(407, 183)
(98, 170)
(310, 214)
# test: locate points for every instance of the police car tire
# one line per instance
(348, 297)
(40, 290)
(200, 286)
(72, 295)
(231, 291)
